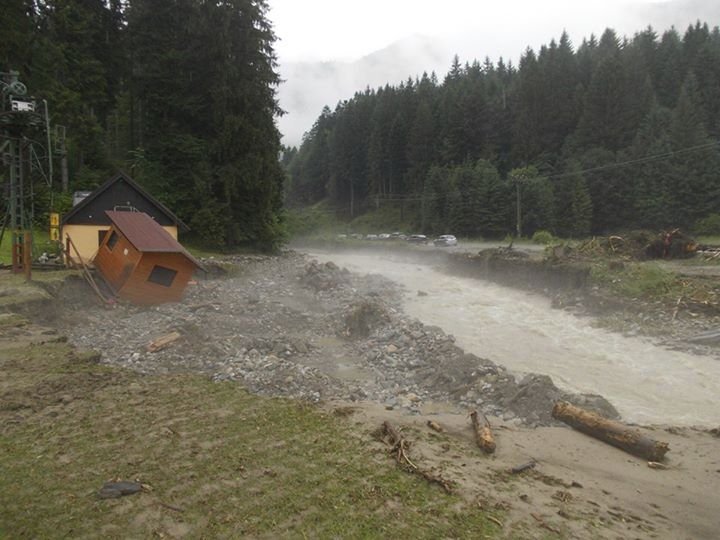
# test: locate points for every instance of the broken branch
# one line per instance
(399, 449)
(163, 342)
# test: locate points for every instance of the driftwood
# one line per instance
(483, 433)
(163, 342)
(614, 433)
(544, 524)
(435, 426)
(523, 467)
(399, 449)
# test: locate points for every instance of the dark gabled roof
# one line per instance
(124, 177)
(146, 235)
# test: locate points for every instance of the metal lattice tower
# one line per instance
(21, 125)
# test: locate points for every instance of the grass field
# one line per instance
(41, 242)
(216, 461)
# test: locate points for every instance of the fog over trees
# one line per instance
(613, 133)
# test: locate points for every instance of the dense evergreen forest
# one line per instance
(179, 93)
(611, 135)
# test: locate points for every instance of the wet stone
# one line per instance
(295, 341)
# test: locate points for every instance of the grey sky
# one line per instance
(328, 49)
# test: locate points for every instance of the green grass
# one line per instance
(638, 280)
(230, 464)
(709, 240)
(41, 243)
(383, 220)
(318, 219)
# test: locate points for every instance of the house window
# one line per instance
(162, 276)
(101, 236)
(112, 241)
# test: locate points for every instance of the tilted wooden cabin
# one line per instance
(86, 223)
(142, 262)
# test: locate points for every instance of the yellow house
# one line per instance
(87, 222)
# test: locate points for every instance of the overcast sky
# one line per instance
(340, 33)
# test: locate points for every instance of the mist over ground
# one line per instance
(309, 85)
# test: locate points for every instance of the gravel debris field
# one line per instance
(288, 326)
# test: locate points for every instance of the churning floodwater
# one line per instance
(646, 383)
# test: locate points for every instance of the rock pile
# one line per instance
(286, 326)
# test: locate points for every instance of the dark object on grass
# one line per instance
(115, 490)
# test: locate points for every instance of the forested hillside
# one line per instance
(612, 134)
(179, 93)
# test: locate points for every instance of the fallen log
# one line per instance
(483, 433)
(613, 433)
(162, 342)
(435, 426)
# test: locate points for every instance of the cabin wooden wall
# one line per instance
(116, 266)
(139, 290)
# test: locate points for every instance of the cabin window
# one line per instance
(162, 276)
(112, 240)
(101, 236)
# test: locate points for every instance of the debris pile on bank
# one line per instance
(642, 245)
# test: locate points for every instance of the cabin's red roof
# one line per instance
(146, 234)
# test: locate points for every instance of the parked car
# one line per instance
(384, 236)
(445, 240)
(371, 237)
(417, 239)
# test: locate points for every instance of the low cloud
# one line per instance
(309, 86)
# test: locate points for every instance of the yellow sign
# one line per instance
(54, 226)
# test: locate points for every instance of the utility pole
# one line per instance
(518, 227)
(520, 176)
(21, 125)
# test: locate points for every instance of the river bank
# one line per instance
(285, 326)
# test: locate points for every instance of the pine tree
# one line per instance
(695, 166)
(652, 192)
(573, 205)
(669, 70)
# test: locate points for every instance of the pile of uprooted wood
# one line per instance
(643, 245)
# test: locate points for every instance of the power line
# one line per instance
(416, 197)
(646, 159)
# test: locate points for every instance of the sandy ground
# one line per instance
(579, 487)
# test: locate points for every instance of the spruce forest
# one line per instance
(613, 134)
(178, 93)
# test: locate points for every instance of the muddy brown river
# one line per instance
(648, 384)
